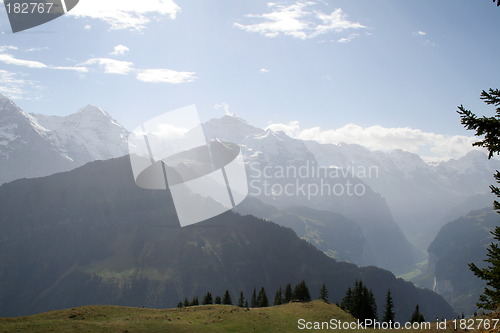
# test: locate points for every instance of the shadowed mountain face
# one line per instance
(332, 233)
(459, 243)
(91, 236)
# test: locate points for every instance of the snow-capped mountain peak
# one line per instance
(229, 128)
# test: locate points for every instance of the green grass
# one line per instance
(207, 318)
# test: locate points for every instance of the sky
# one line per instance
(387, 74)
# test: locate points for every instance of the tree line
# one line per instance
(359, 301)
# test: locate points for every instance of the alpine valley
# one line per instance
(77, 230)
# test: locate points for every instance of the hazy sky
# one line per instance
(383, 73)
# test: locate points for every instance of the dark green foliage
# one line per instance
(360, 302)
(253, 302)
(301, 292)
(323, 293)
(207, 299)
(288, 293)
(278, 297)
(489, 128)
(186, 302)
(490, 299)
(180, 305)
(262, 300)
(217, 300)
(246, 304)
(194, 301)
(227, 298)
(241, 300)
(389, 314)
(417, 317)
(348, 301)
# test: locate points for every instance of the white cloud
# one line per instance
(120, 50)
(87, 27)
(299, 21)
(161, 75)
(79, 69)
(17, 88)
(264, 70)
(111, 66)
(432, 146)
(225, 107)
(423, 35)
(36, 49)
(348, 38)
(126, 14)
(11, 60)
(4, 48)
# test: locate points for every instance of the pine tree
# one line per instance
(288, 293)
(194, 301)
(278, 297)
(180, 305)
(371, 308)
(360, 302)
(301, 292)
(227, 298)
(389, 314)
(186, 302)
(218, 300)
(246, 304)
(241, 300)
(262, 300)
(348, 301)
(417, 317)
(253, 302)
(490, 299)
(323, 294)
(489, 127)
(207, 299)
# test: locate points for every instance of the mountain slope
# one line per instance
(332, 233)
(283, 172)
(459, 243)
(91, 236)
(419, 195)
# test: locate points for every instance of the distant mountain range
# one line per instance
(91, 236)
(405, 198)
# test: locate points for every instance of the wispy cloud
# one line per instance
(79, 69)
(126, 14)
(264, 70)
(432, 146)
(348, 38)
(161, 75)
(225, 107)
(4, 48)
(36, 49)
(11, 60)
(299, 20)
(111, 66)
(423, 35)
(16, 87)
(119, 50)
